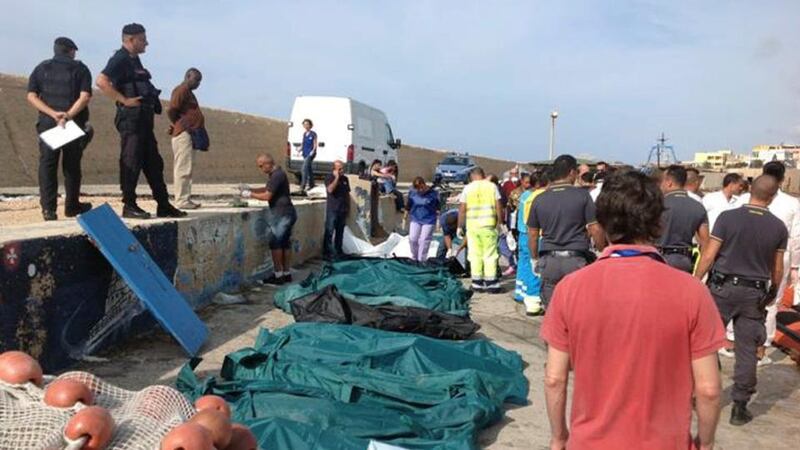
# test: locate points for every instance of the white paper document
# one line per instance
(58, 137)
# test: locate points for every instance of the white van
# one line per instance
(346, 129)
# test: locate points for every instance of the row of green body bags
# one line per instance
(326, 387)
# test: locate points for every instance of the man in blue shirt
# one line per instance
(309, 153)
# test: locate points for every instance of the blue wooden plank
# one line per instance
(145, 278)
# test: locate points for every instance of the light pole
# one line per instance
(553, 117)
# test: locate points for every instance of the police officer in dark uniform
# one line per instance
(746, 250)
(60, 89)
(127, 82)
(683, 219)
(565, 216)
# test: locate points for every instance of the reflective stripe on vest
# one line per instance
(481, 203)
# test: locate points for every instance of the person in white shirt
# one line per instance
(599, 177)
(693, 182)
(728, 198)
(786, 208)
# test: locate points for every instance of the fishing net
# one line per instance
(142, 418)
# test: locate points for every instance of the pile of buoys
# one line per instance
(210, 428)
(92, 423)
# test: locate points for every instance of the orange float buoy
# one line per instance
(214, 402)
(242, 438)
(20, 368)
(217, 424)
(188, 436)
(66, 393)
(92, 422)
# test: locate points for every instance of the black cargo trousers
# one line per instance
(552, 269)
(742, 305)
(139, 153)
(70, 155)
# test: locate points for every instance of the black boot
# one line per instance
(133, 211)
(168, 210)
(82, 208)
(49, 215)
(739, 414)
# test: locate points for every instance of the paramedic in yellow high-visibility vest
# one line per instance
(481, 211)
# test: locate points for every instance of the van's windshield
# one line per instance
(391, 135)
(455, 161)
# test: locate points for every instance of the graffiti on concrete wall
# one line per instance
(59, 299)
(221, 253)
(121, 307)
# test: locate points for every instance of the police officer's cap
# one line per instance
(132, 29)
(66, 42)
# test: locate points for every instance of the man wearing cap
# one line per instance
(60, 89)
(127, 82)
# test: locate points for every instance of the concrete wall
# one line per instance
(236, 140)
(61, 300)
(372, 221)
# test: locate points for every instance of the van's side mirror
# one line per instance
(395, 145)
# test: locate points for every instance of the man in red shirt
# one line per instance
(640, 336)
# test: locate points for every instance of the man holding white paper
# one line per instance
(60, 89)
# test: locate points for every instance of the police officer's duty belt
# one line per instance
(721, 278)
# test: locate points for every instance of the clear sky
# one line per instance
(478, 76)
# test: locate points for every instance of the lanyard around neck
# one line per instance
(631, 252)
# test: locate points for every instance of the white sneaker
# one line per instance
(189, 205)
(765, 361)
(533, 306)
(726, 353)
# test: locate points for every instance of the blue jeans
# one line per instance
(387, 185)
(307, 175)
(334, 231)
(280, 227)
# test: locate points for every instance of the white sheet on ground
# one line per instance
(373, 445)
(317, 191)
(394, 246)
